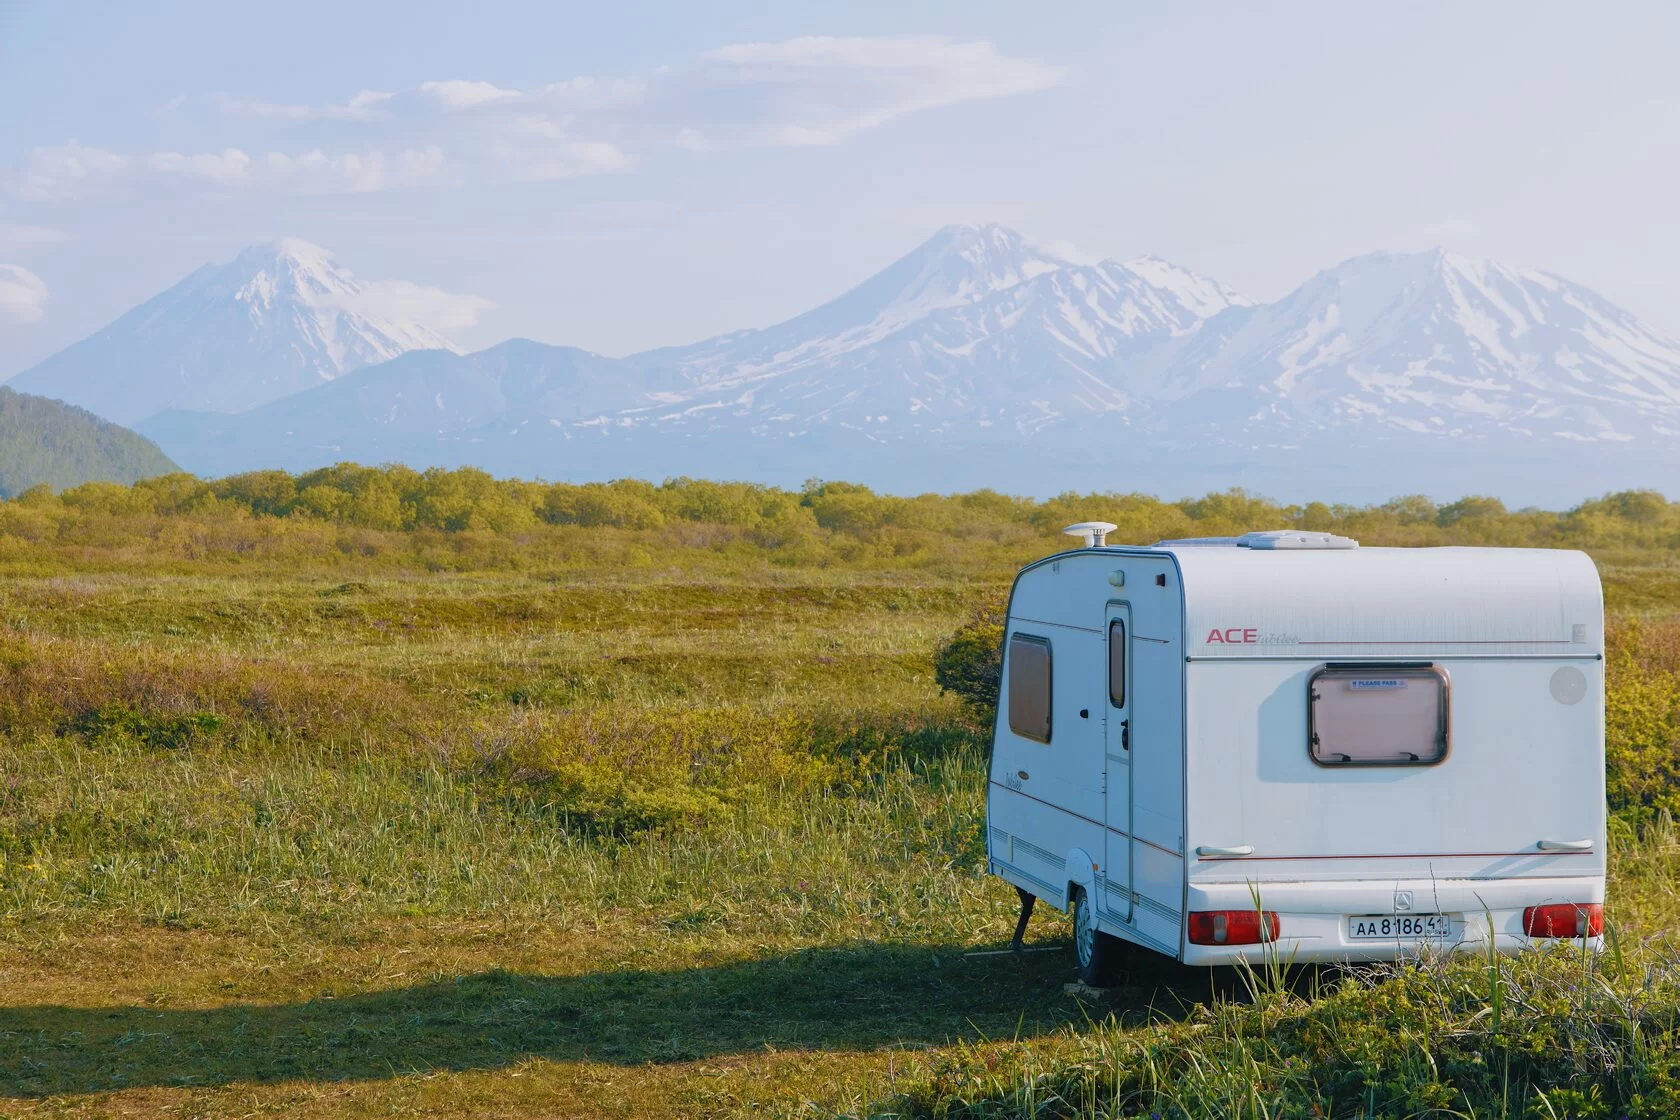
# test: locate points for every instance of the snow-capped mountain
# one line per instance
(1197, 295)
(982, 359)
(276, 320)
(958, 265)
(977, 328)
(1428, 344)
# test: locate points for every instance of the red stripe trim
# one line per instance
(1437, 642)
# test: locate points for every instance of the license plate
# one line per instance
(1389, 927)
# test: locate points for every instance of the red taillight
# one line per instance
(1569, 919)
(1232, 927)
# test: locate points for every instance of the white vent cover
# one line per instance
(1274, 540)
(1291, 538)
(1092, 532)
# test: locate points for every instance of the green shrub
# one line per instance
(1642, 719)
(119, 724)
(615, 772)
(596, 801)
(969, 663)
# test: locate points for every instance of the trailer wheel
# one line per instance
(1100, 954)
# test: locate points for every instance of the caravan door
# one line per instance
(1117, 763)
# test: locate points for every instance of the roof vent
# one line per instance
(1281, 539)
(1275, 540)
(1092, 532)
(1197, 542)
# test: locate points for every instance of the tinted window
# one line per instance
(1379, 716)
(1029, 687)
(1117, 663)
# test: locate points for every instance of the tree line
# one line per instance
(822, 521)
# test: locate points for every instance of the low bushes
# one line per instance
(970, 662)
(1642, 718)
(612, 772)
(1546, 1034)
(467, 518)
(165, 698)
(119, 723)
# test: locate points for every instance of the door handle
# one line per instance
(1239, 850)
(1565, 845)
(1125, 734)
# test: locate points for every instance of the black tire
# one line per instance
(1101, 956)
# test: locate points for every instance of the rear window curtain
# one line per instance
(1029, 687)
(1379, 716)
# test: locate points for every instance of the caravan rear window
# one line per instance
(1029, 686)
(1379, 715)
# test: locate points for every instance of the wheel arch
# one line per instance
(1081, 875)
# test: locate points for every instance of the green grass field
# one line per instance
(311, 820)
(487, 843)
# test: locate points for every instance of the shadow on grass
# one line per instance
(866, 997)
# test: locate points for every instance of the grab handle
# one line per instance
(1239, 850)
(1565, 845)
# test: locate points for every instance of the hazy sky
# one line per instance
(620, 176)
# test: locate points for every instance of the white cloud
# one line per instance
(1068, 251)
(312, 172)
(458, 94)
(580, 94)
(225, 169)
(805, 91)
(575, 94)
(15, 236)
(692, 140)
(527, 162)
(316, 172)
(23, 295)
(368, 105)
(68, 171)
(822, 89)
(418, 303)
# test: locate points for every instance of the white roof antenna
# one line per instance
(1092, 532)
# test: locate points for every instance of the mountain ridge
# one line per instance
(47, 442)
(277, 319)
(980, 346)
(1435, 342)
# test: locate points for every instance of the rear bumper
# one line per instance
(1313, 917)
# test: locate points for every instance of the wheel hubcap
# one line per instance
(1084, 933)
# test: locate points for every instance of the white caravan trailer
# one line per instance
(1283, 745)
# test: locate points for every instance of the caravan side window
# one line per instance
(1029, 686)
(1379, 715)
(1117, 663)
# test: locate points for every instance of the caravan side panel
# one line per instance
(1157, 751)
(1044, 801)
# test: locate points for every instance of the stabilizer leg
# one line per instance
(1028, 900)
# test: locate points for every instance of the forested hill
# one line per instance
(49, 441)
